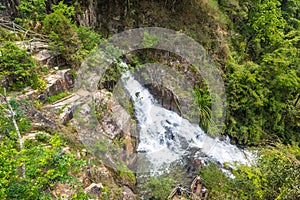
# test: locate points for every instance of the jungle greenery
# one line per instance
(262, 72)
(44, 163)
(274, 176)
(158, 187)
(259, 60)
(260, 68)
(17, 69)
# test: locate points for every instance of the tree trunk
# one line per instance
(12, 114)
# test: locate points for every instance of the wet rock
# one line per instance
(60, 81)
(114, 118)
(170, 88)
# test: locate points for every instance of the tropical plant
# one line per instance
(203, 102)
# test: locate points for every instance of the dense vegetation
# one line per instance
(275, 176)
(18, 69)
(32, 167)
(257, 52)
(263, 72)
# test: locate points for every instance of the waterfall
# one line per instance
(166, 138)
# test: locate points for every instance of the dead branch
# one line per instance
(11, 112)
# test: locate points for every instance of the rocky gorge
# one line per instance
(137, 99)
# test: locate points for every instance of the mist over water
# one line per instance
(166, 138)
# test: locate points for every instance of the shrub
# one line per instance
(65, 42)
(33, 9)
(17, 68)
(158, 187)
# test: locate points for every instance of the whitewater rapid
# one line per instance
(166, 138)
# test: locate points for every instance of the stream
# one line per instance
(166, 139)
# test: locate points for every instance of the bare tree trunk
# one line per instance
(12, 114)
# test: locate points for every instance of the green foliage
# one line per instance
(18, 69)
(266, 21)
(69, 42)
(261, 98)
(150, 40)
(263, 74)
(105, 193)
(203, 101)
(32, 9)
(42, 157)
(290, 12)
(89, 38)
(6, 36)
(125, 173)
(113, 74)
(246, 97)
(259, 25)
(280, 165)
(38, 104)
(62, 32)
(42, 137)
(45, 166)
(6, 124)
(276, 176)
(216, 181)
(2, 6)
(58, 96)
(67, 11)
(158, 187)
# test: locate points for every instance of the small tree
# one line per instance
(159, 187)
(65, 43)
(32, 9)
(17, 68)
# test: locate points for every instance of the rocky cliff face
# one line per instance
(113, 16)
(107, 16)
(115, 125)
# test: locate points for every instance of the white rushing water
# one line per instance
(165, 137)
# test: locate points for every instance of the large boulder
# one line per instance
(173, 89)
(57, 82)
(64, 108)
